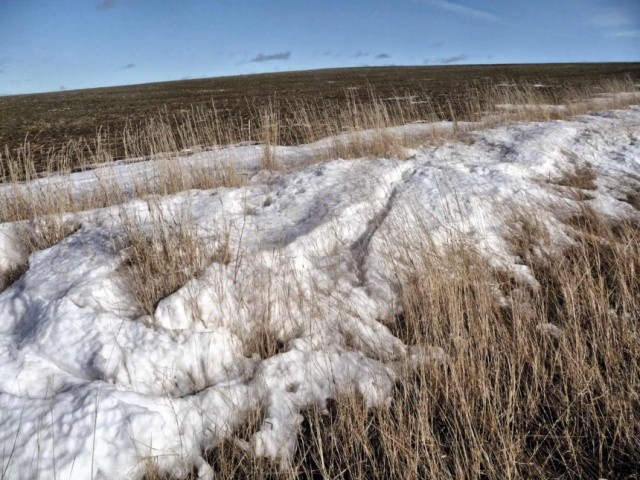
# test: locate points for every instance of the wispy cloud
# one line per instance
(382, 55)
(611, 17)
(261, 57)
(106, 4)
(455, 59)
(361, 54)
(62, 88)
(626, 34)
(462, 10)
(437, 44)
(1, 71)
(129, 66)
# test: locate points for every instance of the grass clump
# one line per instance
(582, 177)
(160, 255)
(32, 236)
(57, 195)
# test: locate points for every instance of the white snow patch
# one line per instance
(531, 106)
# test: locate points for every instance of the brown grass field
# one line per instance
(49, 120)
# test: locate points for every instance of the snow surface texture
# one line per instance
(89, 389)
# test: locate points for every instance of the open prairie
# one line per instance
(49, 120)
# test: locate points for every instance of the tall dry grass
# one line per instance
(539, 381)
(162, 251)
(32, 236)
(294, 122)
(24, 200)
(355, 128)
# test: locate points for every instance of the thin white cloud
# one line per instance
(261, 57)
(611, 17)
(626, 34)
(463, 10)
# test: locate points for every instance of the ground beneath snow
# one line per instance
(90, 389)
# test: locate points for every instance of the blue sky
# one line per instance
(48, 45)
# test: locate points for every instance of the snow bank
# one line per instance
(89, 389)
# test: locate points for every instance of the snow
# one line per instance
(91, 389)
(528, 106)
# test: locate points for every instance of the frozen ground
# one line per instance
(91, 389)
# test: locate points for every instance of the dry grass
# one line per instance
(295, 121)
(576, 182)
(160, 255)
(265, 341)
(170, 176)
(517, 400)
(632, 194)
(233, 459)
(51, 120)
(541, 383)
(633, 199)
(357, 129)
(512, 400)
(10, 275)
(269, 135)
(40, 199)
(162, 177)
(35, 235)
(42, 233)
(581, 177)
(379, 144)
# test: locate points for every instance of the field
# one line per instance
(48, 121)
(363, 273)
